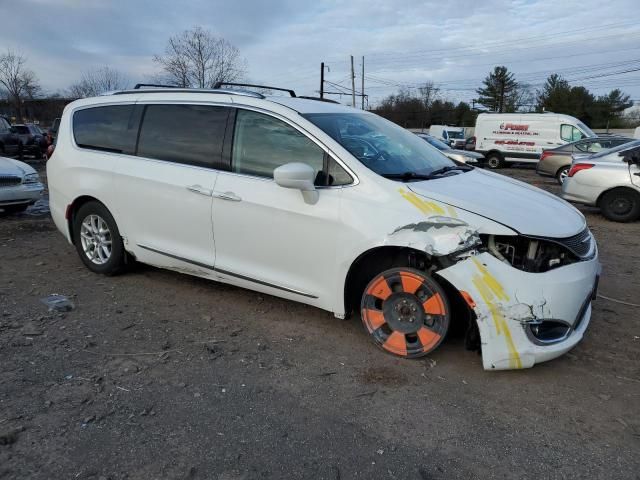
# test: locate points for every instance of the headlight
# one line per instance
(31, 178)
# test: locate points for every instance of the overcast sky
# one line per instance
(404, 42)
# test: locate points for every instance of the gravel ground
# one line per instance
(155, 374)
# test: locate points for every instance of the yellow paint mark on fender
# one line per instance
(491, 290)
(452, 211)
(425, 206)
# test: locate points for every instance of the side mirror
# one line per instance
(632, 157)
(299, 176)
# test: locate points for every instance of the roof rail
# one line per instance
(220, 84)
(152, 85)
(328, 100)
(165, 89)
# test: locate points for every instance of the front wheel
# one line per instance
(98, 240)
(494, 161)
(406, 312)
(620, 205)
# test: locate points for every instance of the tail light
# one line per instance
(576, 167)
(545, 154)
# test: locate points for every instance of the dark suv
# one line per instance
(33, 140)
(10, 144)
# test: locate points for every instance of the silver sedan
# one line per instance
(609, 180)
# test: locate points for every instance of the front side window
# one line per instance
(379, 144)
(262, 143)
(187, 134)
(569, 133)
(110, 128)
(22, 129)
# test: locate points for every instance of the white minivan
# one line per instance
(521, 137)
(326, 205)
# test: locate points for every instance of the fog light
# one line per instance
(548, 331)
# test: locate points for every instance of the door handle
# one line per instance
(199, 189)
(227, 196)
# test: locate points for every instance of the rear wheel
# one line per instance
(562, 174)
(494, 160)
(620, 205)
(406, 312)
(98, 240)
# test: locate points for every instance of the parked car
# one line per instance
(400, 233)
(457, 155)
(53, 130)
(452, 136)
(20, 185)
(33, 142)
(470, 143)
(10, 144)
(556, 162)
(609, 180)
(520, 137)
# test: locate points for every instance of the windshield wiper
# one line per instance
(440, 171)
(406, 176)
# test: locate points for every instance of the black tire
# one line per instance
(494, 161)
(405, 312)
(113, 263)
(561, 174)
(620, 205)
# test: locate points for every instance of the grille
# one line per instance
(9, 180)
(579, 244)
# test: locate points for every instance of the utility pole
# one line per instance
(362, 92)
(353, 84)
(322, 80)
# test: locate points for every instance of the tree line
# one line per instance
(194, 58)
(501, 92)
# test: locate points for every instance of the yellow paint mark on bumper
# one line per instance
(491, 290)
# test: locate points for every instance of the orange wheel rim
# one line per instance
(405, 312)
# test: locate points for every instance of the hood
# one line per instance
(8, 166)
(521, 207)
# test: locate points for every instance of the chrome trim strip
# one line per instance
(226, 272)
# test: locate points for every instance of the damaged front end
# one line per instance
(531, 295)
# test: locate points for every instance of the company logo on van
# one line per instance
(514, 126)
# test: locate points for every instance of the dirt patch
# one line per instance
(155, 374)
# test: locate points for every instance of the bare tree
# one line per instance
(197, 58)
(98, 81)
(16, 81)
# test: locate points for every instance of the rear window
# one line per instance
(189, 134)
(110, 128)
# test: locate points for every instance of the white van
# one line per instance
(521, 137)
(452, 136)
(326, 205)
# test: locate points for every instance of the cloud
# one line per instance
(404, 42)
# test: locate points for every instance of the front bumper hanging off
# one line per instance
(512, 306)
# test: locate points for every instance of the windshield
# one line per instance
(619, 148)
(435, 142)
(586, 130)
(379, 144)
(455, 134)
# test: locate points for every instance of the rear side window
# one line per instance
(110, 128)
(4, 125)
(262, 143)
(22, 129)
(188, 134)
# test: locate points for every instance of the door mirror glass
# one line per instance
(299, 176)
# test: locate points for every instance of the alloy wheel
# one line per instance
(95, 238)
